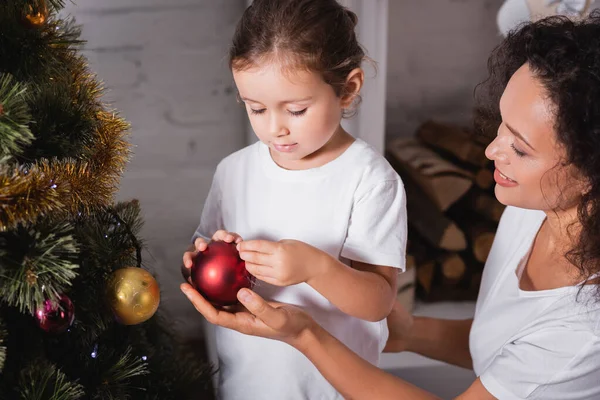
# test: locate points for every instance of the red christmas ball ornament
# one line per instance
(218, 273)
(56, 317)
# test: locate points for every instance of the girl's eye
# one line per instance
(298, 113)
(256, 112)
(518, 152)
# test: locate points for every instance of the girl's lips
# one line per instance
(285, 148)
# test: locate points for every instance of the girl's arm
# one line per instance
(364, 291)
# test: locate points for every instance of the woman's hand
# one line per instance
(259, 318)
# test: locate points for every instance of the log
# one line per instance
(484, 178)
(476, 280)
(443, 181)
(453, 140)
(487, 206)
(425, 273)
(453, 268)
(481, 236)
(425, 216)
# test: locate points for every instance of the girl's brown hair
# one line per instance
(317, 35)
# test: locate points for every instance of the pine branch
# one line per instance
(65, 113)
(45, 381)
(14, 117)
(3, 334)
(126, 368)
(109, 238)
(108, 241)
(56, 4)
(59, 187)
(37, 262)
(178, 370)
(35, 54)
(117, 380)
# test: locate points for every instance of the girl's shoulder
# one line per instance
(371, 164)
(239, 159)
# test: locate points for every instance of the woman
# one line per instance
(536, 330)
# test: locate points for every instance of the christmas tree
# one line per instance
(77, 303)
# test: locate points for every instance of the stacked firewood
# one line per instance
(452, 211)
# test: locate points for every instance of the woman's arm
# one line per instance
(352, 376)
(439, 339)
(357, 379)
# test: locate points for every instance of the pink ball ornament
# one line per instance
(55, 317)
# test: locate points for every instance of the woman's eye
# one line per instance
(256, 112)
(518, 152)
(298, 113)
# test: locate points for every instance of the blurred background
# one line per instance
(164, 63)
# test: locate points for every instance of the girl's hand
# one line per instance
(282, 263)
(259, 318)
(201, 245)
(224, 236)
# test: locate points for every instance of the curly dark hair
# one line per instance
(565, 56)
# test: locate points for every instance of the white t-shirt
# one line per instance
(533, 344)
(354, 207)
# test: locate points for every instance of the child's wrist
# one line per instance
(322, 267)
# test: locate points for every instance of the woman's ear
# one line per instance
(354, 83)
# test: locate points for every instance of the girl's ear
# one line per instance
(354, 83)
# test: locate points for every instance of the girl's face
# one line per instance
(295, 113)
(530, 169)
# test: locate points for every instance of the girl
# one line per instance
(322, 214)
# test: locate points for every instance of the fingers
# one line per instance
(264, 274)
(200, 244)
(204, 307)
(271, 316)
(188, 256)
(256, 258)
(261, 271)
(224, 236)
(259, 246)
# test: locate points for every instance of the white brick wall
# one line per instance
(164, 63)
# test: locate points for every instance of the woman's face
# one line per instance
(530, 162)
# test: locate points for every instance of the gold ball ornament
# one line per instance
(133, 295)
(37, 14)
